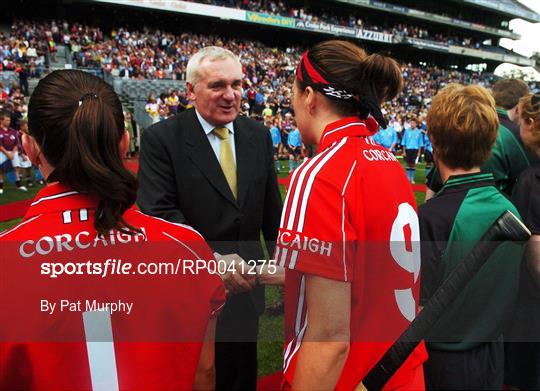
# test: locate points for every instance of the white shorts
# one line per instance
(19, 162)
(3, 158)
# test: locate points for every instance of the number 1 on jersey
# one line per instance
(100, 348)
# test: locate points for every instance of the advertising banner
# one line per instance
(325, 28)
(272, 20)
(425, 44)
(373, 36)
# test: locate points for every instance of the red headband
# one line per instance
(312, 73)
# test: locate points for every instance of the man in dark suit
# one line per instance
(211, 169)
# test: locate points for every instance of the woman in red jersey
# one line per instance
(92, 304)
(349, 230)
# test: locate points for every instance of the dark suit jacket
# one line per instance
(181, 181)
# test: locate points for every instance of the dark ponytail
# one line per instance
(77, 120)
(370, 79)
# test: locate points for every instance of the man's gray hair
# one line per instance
(211, 53)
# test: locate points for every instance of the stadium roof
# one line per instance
(431, 17)
(507, 7)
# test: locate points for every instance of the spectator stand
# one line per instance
(8, 78)
(133, 94)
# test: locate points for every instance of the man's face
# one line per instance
(218, 92)
(525, 130)
(6, 121)
(513, 114)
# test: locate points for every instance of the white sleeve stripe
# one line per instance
(292, 187)
(299, 339)
(53, 197)
(299, 187)
(300, 304)
(343, 238)
(318, 165)
(292, 262)
(283, 258)
(348, 178)
(343, 235)
(311, 179)
(342, 127)
(183, 244)
(299, 311)
(287, 351)
(218, 309)
(19, 226)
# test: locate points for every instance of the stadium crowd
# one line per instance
(345, 18)
(154, 54)
(13, 159)
(29, 42)
(25, 49)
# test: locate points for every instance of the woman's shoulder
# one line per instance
(162, 229)
(22, 230)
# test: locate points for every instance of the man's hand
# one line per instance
(235, 281)
(361, 387)
(270, 274)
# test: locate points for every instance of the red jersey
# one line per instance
(87, 334)
(350, 216)
(251, 94)
(9, 138)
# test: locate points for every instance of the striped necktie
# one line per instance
(226, 159)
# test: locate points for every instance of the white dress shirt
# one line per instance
(214, 140)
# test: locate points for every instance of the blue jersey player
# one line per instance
(428, 152)
(294, 144)
(412, 142)
(387, 138)
(275, 134)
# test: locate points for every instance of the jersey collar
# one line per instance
(58, 197)
(468, 180)
(347, 127)
(502, 112)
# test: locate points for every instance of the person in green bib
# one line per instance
(507, 94)
(508, 156)
(465, 347)
(522, 348)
